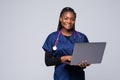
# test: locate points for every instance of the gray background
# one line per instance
(25, 24)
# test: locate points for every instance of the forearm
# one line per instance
(50, 59)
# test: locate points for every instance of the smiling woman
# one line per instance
(67, 20)
(59, 46)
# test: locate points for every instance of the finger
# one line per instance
(86, 63)
(81, 65)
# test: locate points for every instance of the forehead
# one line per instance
(69, 13)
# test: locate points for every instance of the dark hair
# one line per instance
(66, 9)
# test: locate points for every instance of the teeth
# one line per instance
(67, 25)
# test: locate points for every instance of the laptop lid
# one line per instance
(92, 52)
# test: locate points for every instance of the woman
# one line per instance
(59, 46)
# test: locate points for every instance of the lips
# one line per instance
(68, 25)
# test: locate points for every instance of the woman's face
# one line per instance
(67, 20)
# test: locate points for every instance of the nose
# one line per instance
(68, 21)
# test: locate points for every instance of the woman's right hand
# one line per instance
(65, 59)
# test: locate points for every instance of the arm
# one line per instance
(50, 59)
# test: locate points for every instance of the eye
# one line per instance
(73, 19)
(65, 18)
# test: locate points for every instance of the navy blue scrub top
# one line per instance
(65, 47)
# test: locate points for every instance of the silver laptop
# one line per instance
(92, 52)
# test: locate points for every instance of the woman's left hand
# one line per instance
(84, 64)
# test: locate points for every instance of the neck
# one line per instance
(67, 32)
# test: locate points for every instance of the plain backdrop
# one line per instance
(25, 24)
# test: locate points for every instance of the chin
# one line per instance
(69, 29)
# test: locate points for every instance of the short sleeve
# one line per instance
(49, 42)
(85, 39)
